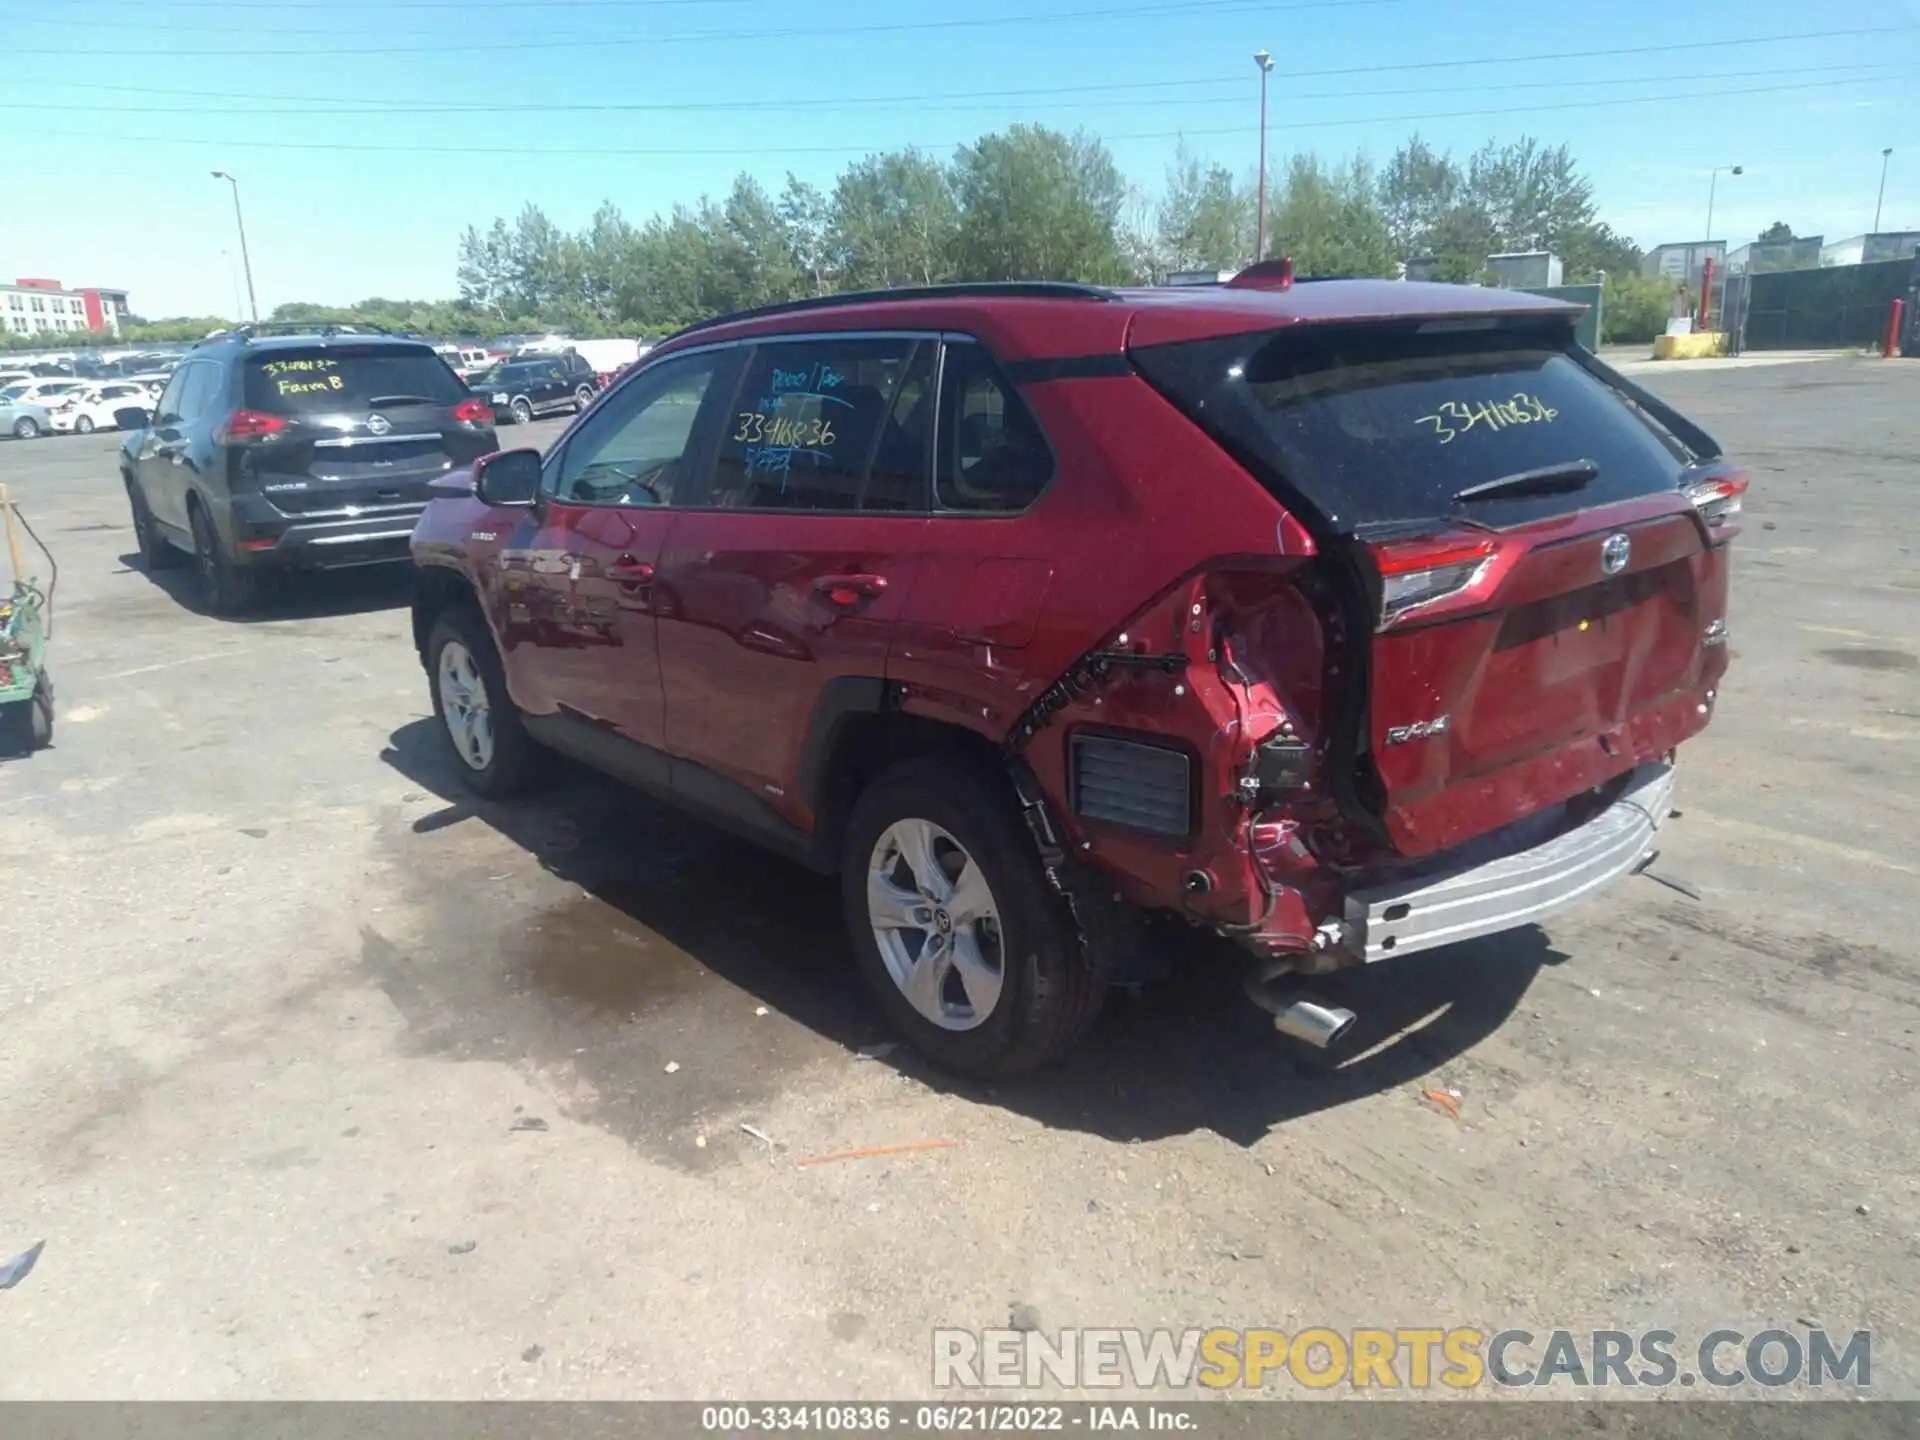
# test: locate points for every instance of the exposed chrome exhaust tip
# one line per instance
(1304, 1019)
(1318, 1025)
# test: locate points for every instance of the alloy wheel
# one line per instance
(464, 704)
(936, 923)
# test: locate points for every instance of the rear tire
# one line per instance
(156, 551)
(485, 735)
(522, 412)
(25, 428)
(1044, 995)
(223, 587)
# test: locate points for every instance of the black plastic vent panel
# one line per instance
(1135, 785)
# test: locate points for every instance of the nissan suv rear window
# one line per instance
(1386, 424)
(326, 378)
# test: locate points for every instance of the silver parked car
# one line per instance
(20, 418)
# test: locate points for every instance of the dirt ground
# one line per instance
(320, 1080)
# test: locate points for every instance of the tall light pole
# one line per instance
(1265, 62)
(1711, 182)
(1884, 156)
(241, 225)
(233, 274)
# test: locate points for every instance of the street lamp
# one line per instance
(1265, 62)
(241, 225)
(1884, 156)
(1711, 182)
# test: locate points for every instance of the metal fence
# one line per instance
(1830, 308)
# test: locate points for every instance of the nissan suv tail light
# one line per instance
(250, 425)
(473, 412)
(1416, 573)
(1718, 501)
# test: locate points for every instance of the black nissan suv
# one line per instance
(294, 448)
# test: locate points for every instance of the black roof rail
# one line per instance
(251, 328)
(1014, 289)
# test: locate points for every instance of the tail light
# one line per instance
(250, 425)
(474, 411)
(1718, 502)
(1416, 573)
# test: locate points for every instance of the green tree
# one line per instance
(1205, 220)
(484, 273)
(1532, 194)
(891, 221)
(1328, 219)
(804, 219)
(1776, 233)
(1036, 204)
(1418, 186)
(1636, 307)
(1596, 249)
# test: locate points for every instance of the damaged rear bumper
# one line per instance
(1507, 880)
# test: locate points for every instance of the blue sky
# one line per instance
(399, 123)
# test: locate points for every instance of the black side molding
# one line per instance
(723, 803)
(1067, 367)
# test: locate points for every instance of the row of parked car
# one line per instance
(32, 406)
(519, 389)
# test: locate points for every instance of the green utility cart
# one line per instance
(26, 614)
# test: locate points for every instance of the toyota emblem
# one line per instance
(1614, 552)
(380, 425)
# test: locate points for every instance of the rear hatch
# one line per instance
(367, 426)
(1531, 563)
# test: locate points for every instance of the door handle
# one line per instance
(845, 592)
(629, 570)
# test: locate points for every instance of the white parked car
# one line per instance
(44, 392)
(91, 408)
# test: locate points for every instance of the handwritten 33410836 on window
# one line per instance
(1456, 417)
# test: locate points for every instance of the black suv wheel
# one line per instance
(223, 587)
(971, 952)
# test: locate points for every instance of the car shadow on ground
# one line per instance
(294, 595)
(1187, 1052)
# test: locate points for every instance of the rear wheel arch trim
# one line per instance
(840, 700)
(438, 589)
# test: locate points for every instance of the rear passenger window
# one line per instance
(830, 425)
(201, 390)
(993, 456)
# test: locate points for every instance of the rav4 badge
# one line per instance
(1419, 730)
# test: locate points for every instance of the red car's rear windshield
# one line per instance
(1384, 424)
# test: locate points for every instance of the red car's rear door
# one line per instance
(794, 569)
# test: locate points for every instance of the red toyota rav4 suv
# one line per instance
(1346, 618)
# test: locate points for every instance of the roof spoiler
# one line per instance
(1265, 275)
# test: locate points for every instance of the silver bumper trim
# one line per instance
(1518, 888)
(361, 537)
